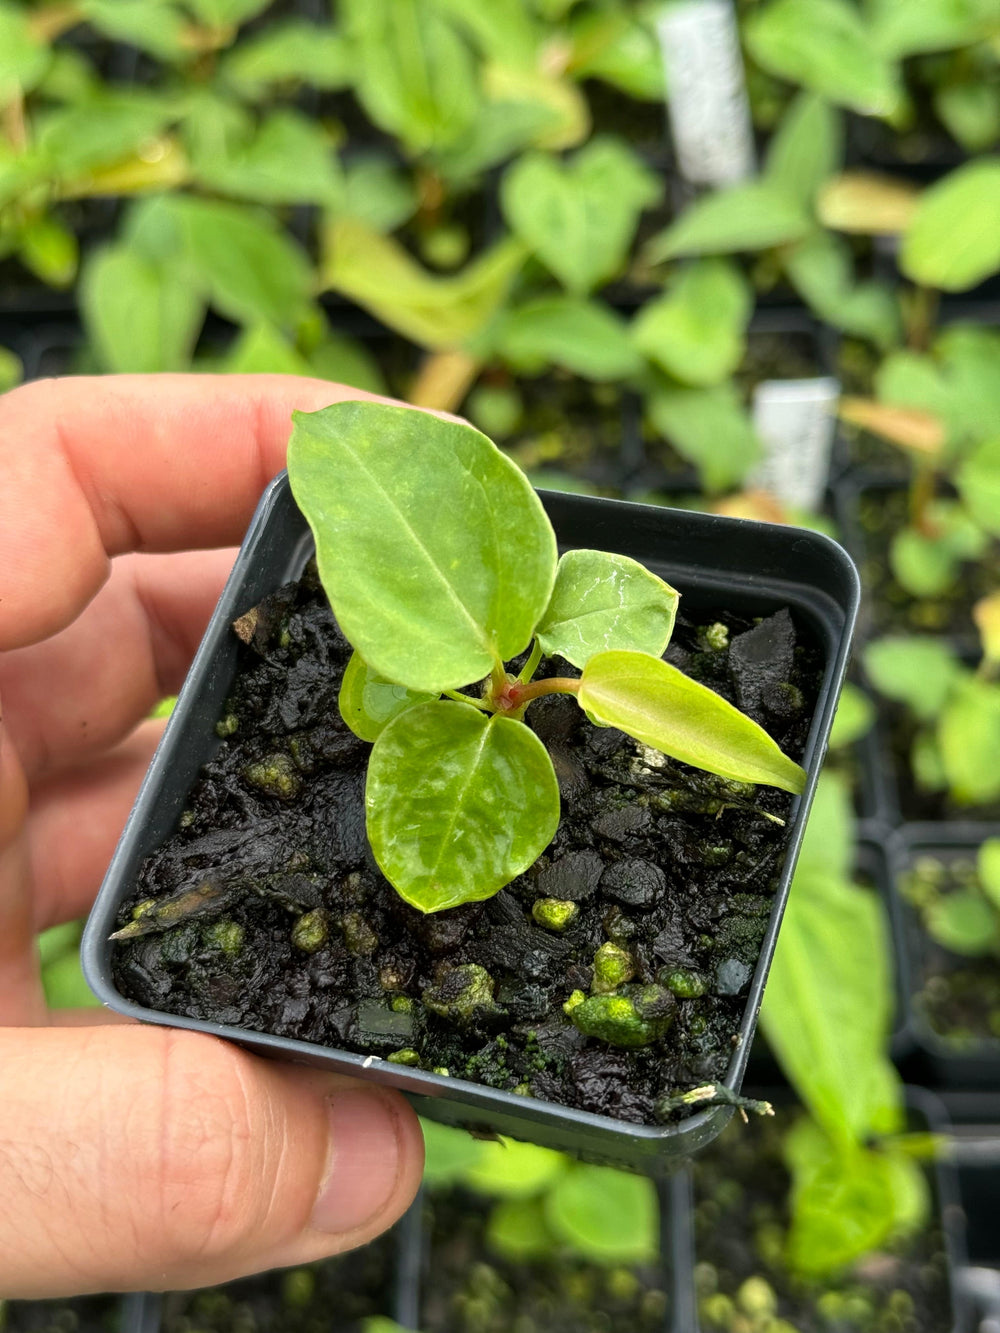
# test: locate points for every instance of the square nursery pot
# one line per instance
(966, 1059)
(750, 569)
(727, 1199)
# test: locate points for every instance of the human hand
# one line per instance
(142, 1157)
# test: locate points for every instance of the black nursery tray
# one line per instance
(753, 569)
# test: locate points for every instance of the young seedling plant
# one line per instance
(441, 568)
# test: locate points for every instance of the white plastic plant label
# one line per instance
(796, 421)
(706, 91)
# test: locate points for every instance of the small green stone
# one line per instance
(359, 937)
(717, 636)
(311, 931)
(226, 936)
(186, 819)
(554, 913)
(227, 725)
(684, 984)
(613, 967)
(443, 1070)
(140, 909)
(275, 775)
(637, 1018)
(460, 991)
(407, 1056)
(522, 1090)
(575, 999)
(401, 1004)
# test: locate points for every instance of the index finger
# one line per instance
(91, 467)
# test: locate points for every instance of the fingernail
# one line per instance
(364, 1165)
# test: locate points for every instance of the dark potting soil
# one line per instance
(880, 514)
(334, 1296)
(956, 995)
(469, 1288)
(294, 930)
(80, 1314)
(741, 1219)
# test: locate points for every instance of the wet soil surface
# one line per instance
(741, 1217)
(957, 996)
(294, 930)
(335, 1296)
(81, 1314)
(469, 1289)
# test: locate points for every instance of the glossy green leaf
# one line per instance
(602, 602)
(608, 1216)
(660, 706)
(828, 845)
(753, 216)
(513, 1170)
(518, 1230)
(971, 114)
(988, 868)
(291, 52)
(378, 193)
(969, 356)
(978, 482)
(828, 1002)
(569, 331)
(917, 671)
(953, 241)
(579, 216)
(24, 58)
(697, 330)
(11, 369)
(963, 922)
(927, 565)
(826, 46)
(226, 13)
(289, 160)
(806, 149)
(345, 360)
(435, 312)
(619, 49)
(448, 1152)
(843, 1209)
(854, 718)
(821, 268)
(368, 702)
(710, 428)
(263, 350)
(108, 127)
(142, 317)
(428, 604)
(968, 736)
(156, 26)
(458, 802)
(414, 73)
(902, 28)
(506, 31)
(50, 250)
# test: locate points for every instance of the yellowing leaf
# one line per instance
(910, 428)
(867, 203)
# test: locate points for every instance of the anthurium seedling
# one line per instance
(441, 568)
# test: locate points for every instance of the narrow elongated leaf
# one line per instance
(659, 705)
(953, 240)
(368, 702)
(806, 149)
(435, 312)
(430, 604)
(867, 203)
(579, 217)
(696, 332)
(602, 601)
(824, 45)
(458, 803)
(752, 216)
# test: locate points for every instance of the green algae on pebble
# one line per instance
(638, 1016)
(311, 931)
(460, 992)
(275, 775)
(613, 967)
(554, 913)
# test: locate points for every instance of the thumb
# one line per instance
(136, 1157)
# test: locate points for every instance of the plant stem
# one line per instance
(461, 698)
(520, 695)
(922, 489)
(531, 666)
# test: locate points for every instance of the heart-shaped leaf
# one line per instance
(602, 601)
(459, 802)
(696, 331)
(754, 215)
(429, 605)
(660, 706)
(368, 702)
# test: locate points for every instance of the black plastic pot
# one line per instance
(752, 568)
(972, 1062)
(925, 1114)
